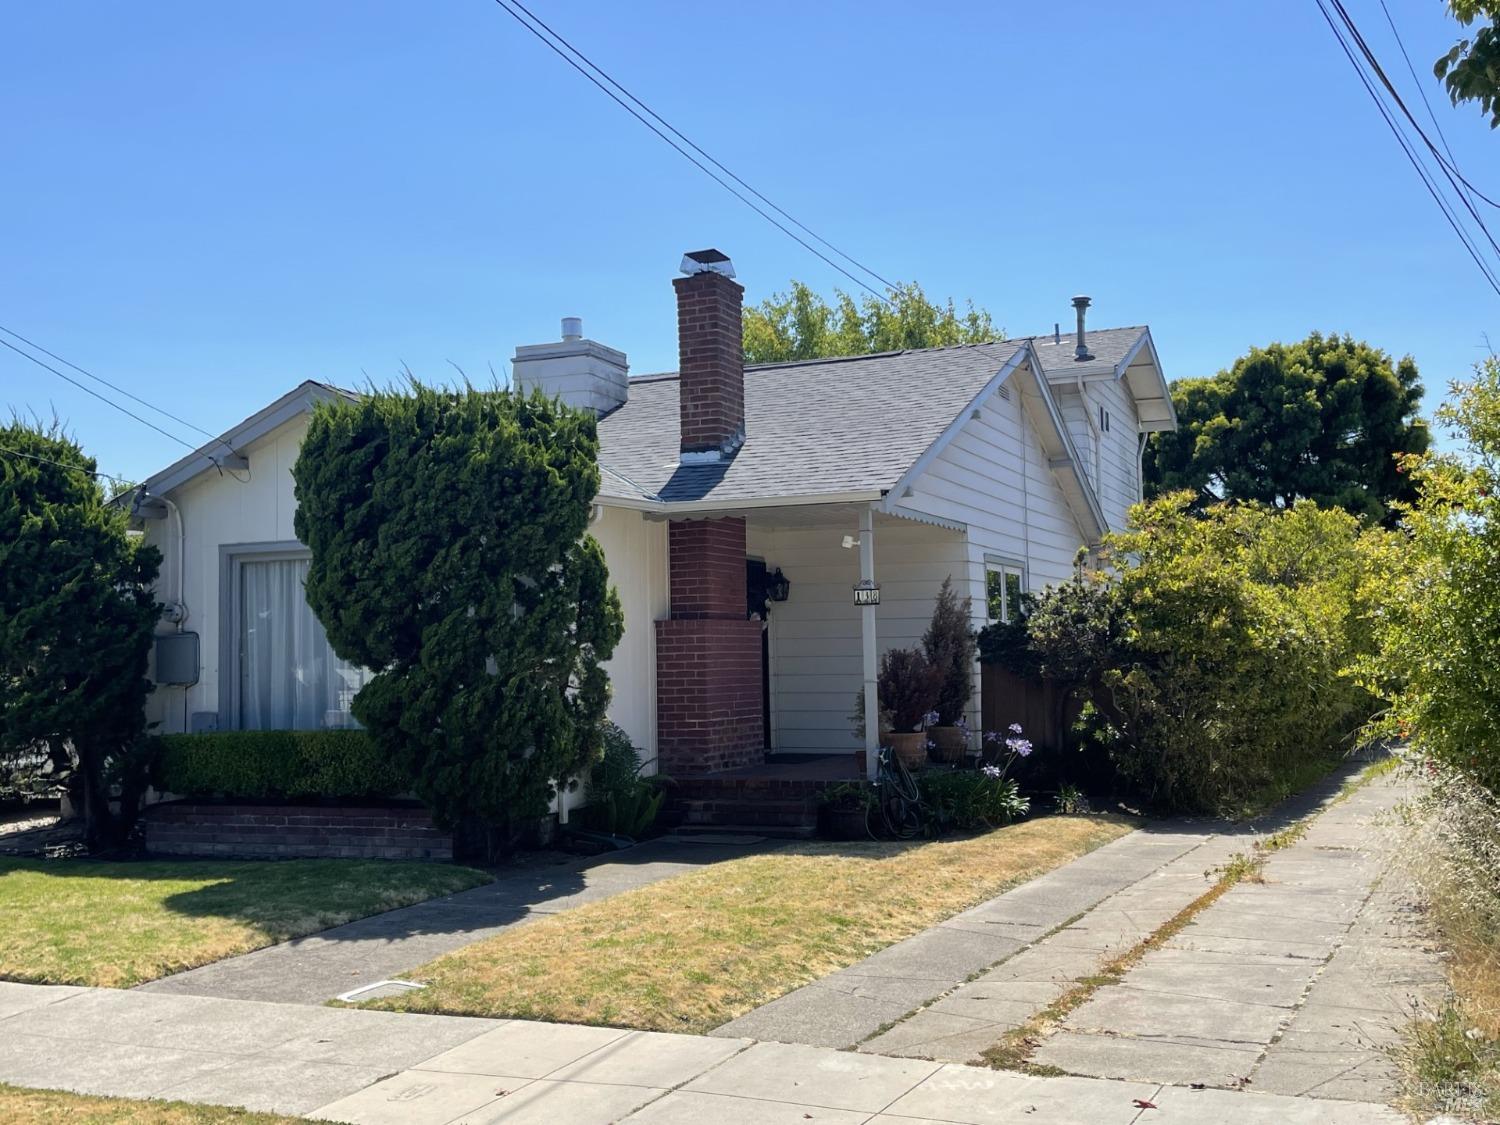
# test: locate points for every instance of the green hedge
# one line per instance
(276, 763)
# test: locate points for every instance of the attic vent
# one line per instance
(1005, 393)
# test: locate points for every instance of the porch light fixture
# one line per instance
(777, 586)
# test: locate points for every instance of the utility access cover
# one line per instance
(378, 991)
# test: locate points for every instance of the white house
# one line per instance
(990, 463)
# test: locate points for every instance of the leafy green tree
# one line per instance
(801, 324)
(1212, 654)
(1471, 70)
(76, 617)
(1323, 419)
(1437, 589)
(451, 556)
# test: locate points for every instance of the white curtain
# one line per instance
(290, 678)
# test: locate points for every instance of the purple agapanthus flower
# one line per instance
(930, 719)
(994, 773)
(1019, 746)
(1015, 728)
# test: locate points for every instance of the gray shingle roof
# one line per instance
(1108, 346)
(812, 428)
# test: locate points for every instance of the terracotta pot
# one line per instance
(949, 743)
(910, 747)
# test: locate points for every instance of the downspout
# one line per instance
(1140, 468)
(179, 607)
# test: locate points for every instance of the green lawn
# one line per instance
(118, 924)
(48, 1107)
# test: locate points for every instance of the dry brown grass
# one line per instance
(690, 953)
(1451, 1063)
(49, 1107)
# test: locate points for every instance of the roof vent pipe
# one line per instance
(1056, 332)
(1081, 352)
(572, 328)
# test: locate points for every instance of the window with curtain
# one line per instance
(290, 679)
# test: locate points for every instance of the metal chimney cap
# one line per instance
(572, 328)
(707, 261)
(1082, 302)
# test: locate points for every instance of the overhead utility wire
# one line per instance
(1407, 149)
(690, 143)
(1412, 155)
(96, 394)
(705, 169)
(1417, 82)
(1449, 168)
(112, 386)
(63, 465)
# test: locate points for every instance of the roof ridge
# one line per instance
(663, 376)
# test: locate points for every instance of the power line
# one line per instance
(705, 169)
(1449, 169)
(1417, 82)
(96, 394)
(63, 465)
(1409, 152)
(112, 386)
(689, 142)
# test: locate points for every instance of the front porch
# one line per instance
(756, 697)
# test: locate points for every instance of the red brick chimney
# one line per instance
(711, 358)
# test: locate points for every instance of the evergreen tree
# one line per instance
(76, 617)
(1323, 419)
(450, 556)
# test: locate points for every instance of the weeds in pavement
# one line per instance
(1451, 1063)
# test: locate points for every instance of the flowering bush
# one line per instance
(1001, 749)
(966, 799)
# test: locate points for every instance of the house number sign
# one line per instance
(866, 593)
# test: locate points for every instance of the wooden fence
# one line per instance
(1006, 698)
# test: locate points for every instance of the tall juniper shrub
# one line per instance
(451, 556)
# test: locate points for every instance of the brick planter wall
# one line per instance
(294, 832)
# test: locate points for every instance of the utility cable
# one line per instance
(690, 143)
(704, 168)
(1408, 151)
(64, 465)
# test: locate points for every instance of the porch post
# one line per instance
(867, 635)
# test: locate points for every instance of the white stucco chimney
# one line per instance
(581, 372)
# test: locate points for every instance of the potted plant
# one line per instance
(908, 687)
(844, 810)
(949, 647)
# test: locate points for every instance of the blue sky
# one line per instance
(207, 203)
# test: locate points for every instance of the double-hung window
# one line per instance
(1004, 583)
(282, 672)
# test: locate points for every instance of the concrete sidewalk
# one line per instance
(1026, 947)
(316, 968)
(383, 1068)
(1296, 983)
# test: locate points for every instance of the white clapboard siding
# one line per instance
(635, 550)
(218, 509)
(816, 664)
(258, 506)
